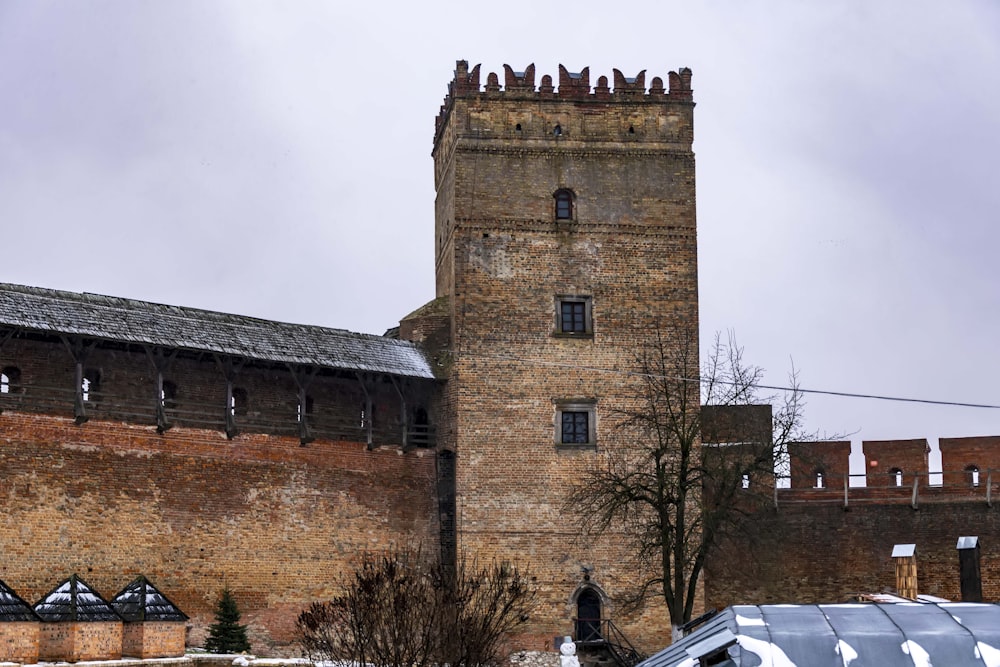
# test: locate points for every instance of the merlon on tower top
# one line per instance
(573, 86)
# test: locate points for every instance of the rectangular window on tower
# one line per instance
(575, 423)
(574, 316)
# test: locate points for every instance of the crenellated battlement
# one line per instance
(573, 87)
(968, 465)
(830, 534)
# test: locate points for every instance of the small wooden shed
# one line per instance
(154, 626)
(78, 624)
(19, 628)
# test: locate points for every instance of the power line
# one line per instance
(823, 392)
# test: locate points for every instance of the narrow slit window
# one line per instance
(897, 476)
(564, 204)
(820, 479)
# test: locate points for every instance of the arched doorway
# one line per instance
(588, 616)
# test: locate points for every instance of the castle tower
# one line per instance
(565, 240)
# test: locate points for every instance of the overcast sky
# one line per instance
(273, 159)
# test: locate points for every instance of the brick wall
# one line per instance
(19, 642)
(153, 639)
(883, 457)
(960, 456)
(817, 552)
(277, 522)
(806, 459)
(78, 641)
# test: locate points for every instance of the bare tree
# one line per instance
(397, 609)
(384, 618)
(483, 607)
(657, 484)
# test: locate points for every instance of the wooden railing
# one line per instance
(332, 423)
(893, 487)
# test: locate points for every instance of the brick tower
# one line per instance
(565, 238)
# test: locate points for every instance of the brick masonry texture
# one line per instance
(19, 642)
(153, 639)
(76, 642)
(813, 552)
(276, 522)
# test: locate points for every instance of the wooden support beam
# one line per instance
(302, 380)
(229, 370)
(403, 416)
(161, 361)
(79, 349)
(368, 416)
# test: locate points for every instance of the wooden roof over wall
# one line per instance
(143, 323)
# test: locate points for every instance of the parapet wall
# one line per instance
(573, 87)
(965, 462)
(824, 539)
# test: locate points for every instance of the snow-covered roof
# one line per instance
(957, 634)
(141, 601)
(12, 608)
(144, 323)
(74, 600)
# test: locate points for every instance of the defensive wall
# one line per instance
(265, 475)
(828, 535)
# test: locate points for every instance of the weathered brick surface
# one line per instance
(277, 522)
(882, 457)
(78, 641)
(502, 260)
(153, 639)
(816, 552)
(807, 459)
(960, 455)
(19, 642)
